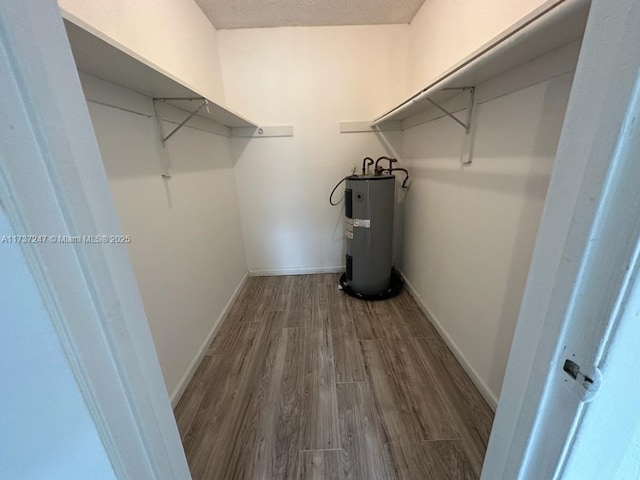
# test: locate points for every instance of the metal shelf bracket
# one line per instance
(466, 125)
(205, 103)
(164, 153)
(467, 143)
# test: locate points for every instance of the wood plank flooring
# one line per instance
(304, 382)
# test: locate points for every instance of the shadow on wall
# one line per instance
(238, 146)
(190, 149)
(547, 135)
(499, 182)
(193, 150)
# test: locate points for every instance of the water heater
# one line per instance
(368, 210)
(369, 203)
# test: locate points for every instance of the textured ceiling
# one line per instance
(287, 13)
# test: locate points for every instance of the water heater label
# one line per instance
(360, 222)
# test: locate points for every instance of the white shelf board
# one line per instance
(264, 132)
(555, 24)
(365, 127)
(99, 58)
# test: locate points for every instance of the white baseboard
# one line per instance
(295, 271)
(485, 391)
(197, 359)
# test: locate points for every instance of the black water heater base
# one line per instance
(395, 287)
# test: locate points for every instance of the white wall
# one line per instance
(50, 439)
(469, 231)
(173, 36)
(311, 78)
(187, 248)
(443, 32)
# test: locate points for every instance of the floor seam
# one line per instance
(322, 450)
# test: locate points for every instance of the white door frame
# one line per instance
(606, 441)
(584, 250)
(52, 182)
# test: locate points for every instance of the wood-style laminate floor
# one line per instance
(304, 382)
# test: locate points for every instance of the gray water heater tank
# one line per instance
(369, 205)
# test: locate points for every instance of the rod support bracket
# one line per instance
(467, 147)
(205, 103)
(467, 143)
(466, 125)
(165, 161)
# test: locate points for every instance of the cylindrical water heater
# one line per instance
(369, 201)
(368, 211)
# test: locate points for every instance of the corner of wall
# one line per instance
(490, 397)
(178, 391)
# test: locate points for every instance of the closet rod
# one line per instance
(170, 99)
(554, 24)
